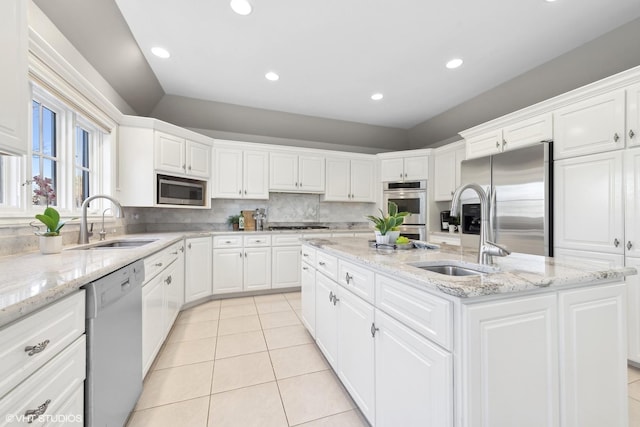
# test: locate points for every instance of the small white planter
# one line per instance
(50, 244)
(381, 239)
(393, 236)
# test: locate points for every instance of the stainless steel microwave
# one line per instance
(173, 190)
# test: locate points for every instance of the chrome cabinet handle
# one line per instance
(240, 254)
(34, 349)
(497, 144)
(348, 277)
(616, 242)
(616, 137)
(305, 254)
(184, 166)
(245, 191)
(374, 330)
(189, 167)
(631, 133)
(335, 299)
(240, 192)
(400, 175)
(330, 296)
(629, 245)
(158, 264)
(405, 175)
(258, 241)
(305, 268)
(168, 280)
(32, 414)
(182, 247)
(504, 142)
(189, 246)
(321, 263)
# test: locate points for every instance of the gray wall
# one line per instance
(612, 53)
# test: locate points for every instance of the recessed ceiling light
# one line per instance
(377, 96)
(272, 76)
(241, 7)
(160, 52)
(454, 63)
(550, 1)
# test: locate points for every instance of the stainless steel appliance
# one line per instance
(114, 346)
(410, 197)
(519, 185)
(173, 190)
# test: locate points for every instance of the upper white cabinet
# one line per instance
(350, 180)
(290, 172)
(240, 174)
(14, 86)
(594, 125)
(414, 168)
(447, 170)
(633, 115)
(521, 134)
(182, 156)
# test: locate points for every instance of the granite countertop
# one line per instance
(515, 273)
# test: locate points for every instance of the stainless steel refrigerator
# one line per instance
(519, 185)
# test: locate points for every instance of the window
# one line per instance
(44, 151)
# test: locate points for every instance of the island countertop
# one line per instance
(514, 273)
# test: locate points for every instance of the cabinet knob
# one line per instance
(189, 167)
(616, 137)
(631, 133)
(245, 191)
(400, 175)
(335, 299)
(32, 414)
(189, 245)
(348, 277)
(34, 349)
(330, 296)
(321, 263)
(240, 192)
(168, 280)
(405, 175)
(184, 166)
(245, 254)
(497, 144)
(182, 247)
(305, 268)
(240, 254)
(374, 330)
(616, 242)
(504, 142)
(296, 184)
(305, 254)
(629, 245)
(158, 264)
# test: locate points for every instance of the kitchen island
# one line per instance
(530, 342)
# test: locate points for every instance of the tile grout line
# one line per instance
(213, 368)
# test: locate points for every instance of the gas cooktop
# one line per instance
(298, 227)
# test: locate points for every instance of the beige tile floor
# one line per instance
(243, 362)
(250, 362)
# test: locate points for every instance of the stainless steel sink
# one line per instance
(452, 270)
(115, 244)
(455, 268)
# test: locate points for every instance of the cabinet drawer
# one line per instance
(327, 264)
(309, 255)
(426, 314)
(357, 279)
(57, 325)
(257, 241)
(227, 241)
(285, 239)
(154, 264)
(57, 383)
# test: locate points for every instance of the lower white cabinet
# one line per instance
(414, 377)
(633, 312)
(286, 266)
(227, 270)
(327, 318)
(241, 264)
(174, 291)
(257, 269)
(153, 326)
(308, 297)
(198, 278)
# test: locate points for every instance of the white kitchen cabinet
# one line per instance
(241, 264)
(356, 367)
(632, 202)
(588, 208)
(14, 84)
(179, 155)
(521, 134)
(593, 362)
(308, 297)
(511, 362)
(257, 269)
(198, 272)
(240, 174)
(227, 270)
(414, 168)
(594, 125)
(413, 378)
(290, 172)
(447, 162)
(349, 180)
(633, 312)
(286, 266)
(596, 259)
(633, 115)
(327, 318)
(153, 326)
(174, 282)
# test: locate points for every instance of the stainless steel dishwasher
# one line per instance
(114, 346)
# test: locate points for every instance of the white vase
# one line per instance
(50, 244)
(381, 239)
(393, 236)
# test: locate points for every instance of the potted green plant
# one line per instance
(385, 224)
(50, 240)
(234, 221)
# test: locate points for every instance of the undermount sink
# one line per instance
(455, 268)
(115, 244)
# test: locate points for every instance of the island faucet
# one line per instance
(486, 248)
(84, 232)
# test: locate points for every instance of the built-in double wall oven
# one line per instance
(410, 197)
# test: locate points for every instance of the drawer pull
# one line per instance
(321, 263)
(32, 414)
(168, 280)
(374, 330)
(305, 255)
(182, 247)
(616, 137)
(348, 277)
(305, 268)
(227, 241)
(616, 242)
(335, 299)
(631, 133)
(158, 264)
(34, 349)
(629, 245)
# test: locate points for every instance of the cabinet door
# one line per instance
(484, 145)
(356, 350)
(632, 202)
(14, 84)
(308, 297)
(510, 358)
(326, 318)
(416, 168)
(311, 174)
(227, 270)
(593, 357)
(198, 280)
(256, 175)
(283, 172)
(392, 170)
(338, 188)
(444, 175)
(198, 159)
(257, 269)
(414, 385)
(227, 173)
(153, 310)
(594, 125)
(170, 153)
(362, 179)
(588, 209)
(286, 267)
(527, 132)
(633, 115)
(633, 311)
(173, 281)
